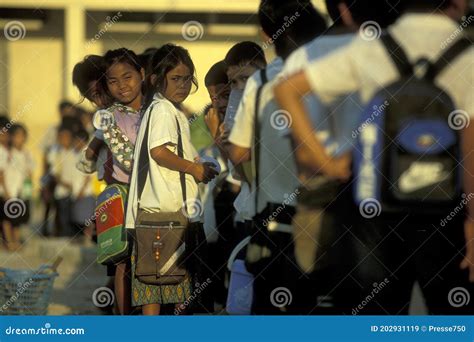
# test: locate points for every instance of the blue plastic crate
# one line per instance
(26, 292)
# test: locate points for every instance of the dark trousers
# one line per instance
(397, 250)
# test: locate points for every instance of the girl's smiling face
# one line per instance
(125, 84)
(178, 84)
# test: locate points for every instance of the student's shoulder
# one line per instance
(163, 107)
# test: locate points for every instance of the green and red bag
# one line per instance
(113, 245)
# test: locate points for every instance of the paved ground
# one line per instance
(80, 275)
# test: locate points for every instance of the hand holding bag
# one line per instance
(160, 236)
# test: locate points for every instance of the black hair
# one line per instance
(72, 123)
(92, 68)
(426, 4)
(18, 127)
(216, 75)
(245, 53)
(383, 12)
(82, 134)
(64, 104)
(145, 58)
(64, 127)
(165, 59)
(122, 55)
(290, 24)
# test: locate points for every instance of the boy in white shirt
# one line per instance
(63, 166)
(276, 178)
(402, 249)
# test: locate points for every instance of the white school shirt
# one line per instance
(79, 179)
(3, 165)
(366, 66)
(162, 191)
(18, 168)
(245, 201)
(335, 121)
(63, 165)
(242, 134)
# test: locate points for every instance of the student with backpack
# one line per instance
(406, 160)
(260, 136)
(322, 210)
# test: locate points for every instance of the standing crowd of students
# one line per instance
(279, 188)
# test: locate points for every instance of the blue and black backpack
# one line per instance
(407, 155)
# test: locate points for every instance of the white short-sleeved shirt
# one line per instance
(162, 191)
(242, 133)
(80, 179)
(63, 165)
(367, 67)
(18, 168)
(278, 178)
(344, 110)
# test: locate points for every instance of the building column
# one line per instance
(74, 37)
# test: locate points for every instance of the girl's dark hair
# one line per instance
(92, 68)
(122, 55)
(165, 59)
(18, 127)
(290, 24)
(245, 53)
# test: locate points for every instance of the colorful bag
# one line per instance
(112, 241)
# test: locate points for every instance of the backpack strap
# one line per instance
(143, 162)
(256, 157)
(397, 54)
(447, 58)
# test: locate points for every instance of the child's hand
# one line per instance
(212, 121)
(203, 173)
(338, 168)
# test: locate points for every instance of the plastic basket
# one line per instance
(26, 292)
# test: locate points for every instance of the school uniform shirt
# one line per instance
(162, 190)
(3, 164)
(277, 174)
(366, 66)
(343, 110)
(18, 168)
(63, 165)
(79, 179)
(242, 133)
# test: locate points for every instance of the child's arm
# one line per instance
(92, 152)
(289, 94)
(3, 184)
(164, 157)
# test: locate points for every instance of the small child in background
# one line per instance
(63, 166)
(17, 172)
(4, 140)
(83, 199)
